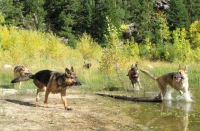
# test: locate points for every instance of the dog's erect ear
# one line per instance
(72, 69)
(22, 68)
(132, 66)
(67, 72)
(186, 69)
(179, 67)
(136, 65)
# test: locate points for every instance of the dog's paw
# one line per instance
(45, 105)
(68, 108)
(37, 99)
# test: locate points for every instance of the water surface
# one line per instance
(174, 114)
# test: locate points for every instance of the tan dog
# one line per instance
(50, 81)
(177, 80)
(133, 74)
(21, 71)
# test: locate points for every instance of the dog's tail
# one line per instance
(149, 74)
(23, 78)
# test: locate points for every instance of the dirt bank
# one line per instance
(18, 111)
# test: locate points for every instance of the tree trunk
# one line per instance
(158, 98)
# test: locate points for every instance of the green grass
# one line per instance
(94, 80)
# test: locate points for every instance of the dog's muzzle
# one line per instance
(135, 75)
(77, 84)
(178, 77)
(28, 74)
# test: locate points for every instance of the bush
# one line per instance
(22, 47)
(89, 48)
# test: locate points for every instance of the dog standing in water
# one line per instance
(177, 80)
(133, 75)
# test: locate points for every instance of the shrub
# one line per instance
(89, 48)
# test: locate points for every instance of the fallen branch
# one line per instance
(130, 98)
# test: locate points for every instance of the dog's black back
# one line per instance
(43, 76)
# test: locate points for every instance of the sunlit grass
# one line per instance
(95, 80)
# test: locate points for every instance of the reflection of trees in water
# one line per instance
(181, 107)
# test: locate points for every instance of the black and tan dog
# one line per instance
(133, 74)
(177, 80)
(21, 71)
(51, 81)
(87, 65)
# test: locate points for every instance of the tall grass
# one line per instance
(93, 80)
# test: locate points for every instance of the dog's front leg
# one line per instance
(20, 85)
(181, 93)
(46, 97)
(139, 84)
(37, 95)
(63, 97)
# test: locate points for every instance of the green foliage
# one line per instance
(154, 37)
(193, 9)
(21, 46)
(177, 15)
(1, 18)
(181, 51)
(34, 16)
(145, 49)
(71, 18)
(195, 34)
(132, 49)
(112, 58)
(163, 30)
(160, 50)
(89, 48)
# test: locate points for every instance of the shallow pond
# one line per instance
(173, 114)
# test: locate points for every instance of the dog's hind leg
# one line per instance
(38, 91)
(163, 88)
(40, 86)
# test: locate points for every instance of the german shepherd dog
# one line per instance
(50, 81)
(87, 65)
(133, 75)
(177, 80)
(21, 71)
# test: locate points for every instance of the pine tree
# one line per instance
(177, 15)
(34, 14)
(61, 18)
(141, 13)
(193, 7)
(12, 12)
